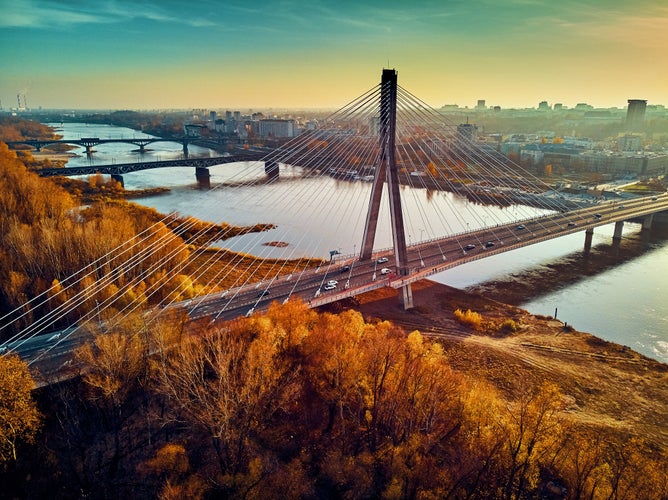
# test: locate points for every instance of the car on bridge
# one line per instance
(329, 286)
(333, 282)
(385, 270)
(570, 224)
(469, 247)
(597, 216)
(345, 269)
(263, 293)
(382, 260)
(489, 244)
(521, 227)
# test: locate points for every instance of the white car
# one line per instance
(333, 282)
(329, 286)
(385, 270)
(382, 260)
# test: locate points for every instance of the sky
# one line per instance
(260, 54)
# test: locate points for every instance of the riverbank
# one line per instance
(606, 385)
(541, 279)
(57, 159)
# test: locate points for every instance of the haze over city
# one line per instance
(176, 54)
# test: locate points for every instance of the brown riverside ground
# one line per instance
(605, 383)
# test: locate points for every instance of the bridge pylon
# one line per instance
(386, 172)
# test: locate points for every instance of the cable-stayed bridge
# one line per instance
(386, 136)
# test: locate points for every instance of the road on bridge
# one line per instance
(353, 276)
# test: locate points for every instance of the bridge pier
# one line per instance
(271, 169)
(619, 225)
(589, 235)
(118, 178)
(185, 148)
(617, 236)
(88, 143)
(203, 177)
(647, 222)
(406, 297)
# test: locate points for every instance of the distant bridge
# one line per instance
(201, 165)
(90, 142)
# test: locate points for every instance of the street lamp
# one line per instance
(332, 253)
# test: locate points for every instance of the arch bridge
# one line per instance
(90, 142)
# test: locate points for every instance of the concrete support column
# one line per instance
(617, 236)
(406, 297)
(185, 148)
(619, 225)
(89, 151)
(589, 234)
(647, 222)
(271, 169)
(203, 176)
(118, 178)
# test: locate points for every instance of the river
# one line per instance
(626, 304)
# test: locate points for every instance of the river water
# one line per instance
(627, 303)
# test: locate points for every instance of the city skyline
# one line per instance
(298, 54)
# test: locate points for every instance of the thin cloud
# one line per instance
(29, 14)
(51, 14)
(640, 28)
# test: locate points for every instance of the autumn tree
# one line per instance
(19, 418)
(115, 372)
(228, 384)
(532, 428)
(419, 415)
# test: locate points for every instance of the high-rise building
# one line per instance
(630, 142)
(467, 132)
(481, 104)
(374, 125)
(635, 114)
(543, 106)
(277, 128)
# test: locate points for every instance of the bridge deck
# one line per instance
(123, 168)
(425, 259)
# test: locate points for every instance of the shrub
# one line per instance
(469, 318)
(510, 325)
